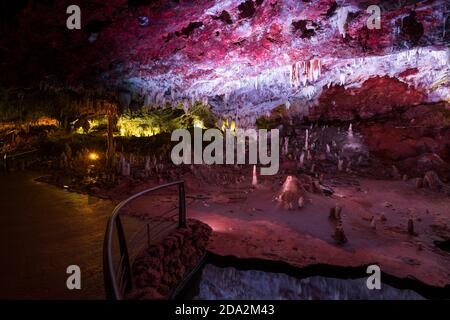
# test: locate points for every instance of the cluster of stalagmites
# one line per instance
(150, 164)
(160, 267)
(331, 148)
(339, 235)
(431, 181)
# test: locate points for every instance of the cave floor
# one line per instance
(248, 223)
(44, 230)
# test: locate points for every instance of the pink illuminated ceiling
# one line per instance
(172, 50)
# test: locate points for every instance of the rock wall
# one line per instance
(376, 96)
(416, 138)
(159, 268)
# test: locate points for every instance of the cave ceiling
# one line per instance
(249, 55)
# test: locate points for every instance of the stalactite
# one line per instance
(287, 104)
(342, 14)
(305, 71)
(309, 92)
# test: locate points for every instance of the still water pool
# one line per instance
(232, 284)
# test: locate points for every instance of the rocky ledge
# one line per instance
(158, 269)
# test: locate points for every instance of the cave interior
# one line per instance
(361, 102)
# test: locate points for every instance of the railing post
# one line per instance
(182, 206)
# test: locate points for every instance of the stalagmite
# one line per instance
(121, 165)
(350, 131)
(306, 139)
(147, 165)
(301, 202)
(339, 235)
(373, 222)
(335, 213)
(285, 150)
(395, 172)
(63, 163)
(126, 169)
(419, 183)
(360, 159)
(302, 159)
(410, 214)
(254, 177)
(349, 166)
(411, 226)
(321, 177)
(340, 164)
(290, 193)
(431, 180)
(328, 148)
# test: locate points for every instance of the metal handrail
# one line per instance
(113, 289)
(15, 155)
(5, 158)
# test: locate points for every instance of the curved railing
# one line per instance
(119, 281)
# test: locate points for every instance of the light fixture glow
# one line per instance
(93, 156)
